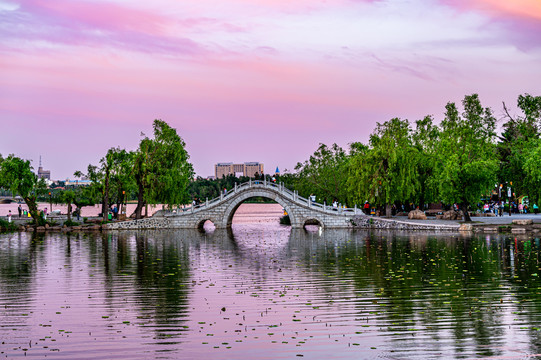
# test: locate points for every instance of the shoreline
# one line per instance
(516, 224)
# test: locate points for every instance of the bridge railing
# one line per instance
(291, 195)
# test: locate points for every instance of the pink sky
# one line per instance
(248, 80)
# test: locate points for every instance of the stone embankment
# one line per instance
(381, 223)
(141, 224)
(517, 226)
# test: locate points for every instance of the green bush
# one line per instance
(7, 226)
(85, 220)
(71, 223)
(284, 220)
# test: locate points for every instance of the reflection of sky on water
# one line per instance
(268, 291)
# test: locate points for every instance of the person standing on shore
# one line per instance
(20, 210)
(9, 216)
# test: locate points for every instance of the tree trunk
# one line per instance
(466, 213)
(388, 210)
(140, 203)
(33, 210)
(69, 212)
(105, 212)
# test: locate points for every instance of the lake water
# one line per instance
(264, 291)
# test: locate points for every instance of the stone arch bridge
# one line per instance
(220, 211)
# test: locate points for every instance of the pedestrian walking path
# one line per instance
(497, 220)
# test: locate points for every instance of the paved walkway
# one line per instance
(499, 220)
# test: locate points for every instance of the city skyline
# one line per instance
(271, 79)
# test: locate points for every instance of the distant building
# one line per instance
(277, 171)
(247, 169)
(43, 174)
(81, 182)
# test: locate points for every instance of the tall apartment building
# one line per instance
(247, 169)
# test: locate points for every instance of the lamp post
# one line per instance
(50, 202)
(123, 204)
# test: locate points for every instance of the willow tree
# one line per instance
(425, 139)
(468, 162)
(517, 140)
(387, 171)
(161, 169)
(324, 174)
(113, 175)
(16, 175)
(532, 170)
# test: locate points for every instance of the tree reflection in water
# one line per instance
(185, 293)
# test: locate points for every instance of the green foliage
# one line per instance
(285, 220)
(468, 164)
(426, 139)
(16, 174)
(324, 175)
(7, 226)
(69, 222)
(161, 168)
(386, 172)
(532, 170)
(517, 143)
(113, 176)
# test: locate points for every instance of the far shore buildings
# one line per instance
(78, 182)
(247, 169)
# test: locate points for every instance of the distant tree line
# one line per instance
(459, 161)
(202, 189)
(158, 172)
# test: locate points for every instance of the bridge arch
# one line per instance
(266, 193)
(313, 220)
(200, 225)
(220, 211)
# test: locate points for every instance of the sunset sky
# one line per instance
(248, 80)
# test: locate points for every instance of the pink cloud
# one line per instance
(96, 24)
(521, 8)
(97, 15)
(521, 19)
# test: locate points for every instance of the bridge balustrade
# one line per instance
(291, 195)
